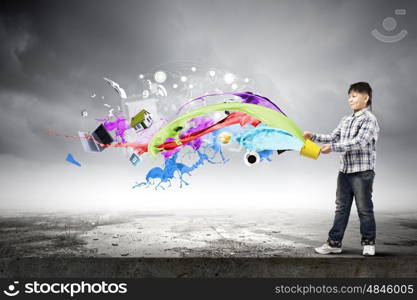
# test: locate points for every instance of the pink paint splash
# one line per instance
(139, 148)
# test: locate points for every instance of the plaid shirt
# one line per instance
(355, 137)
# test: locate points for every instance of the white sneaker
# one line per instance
(368, 250)
(327, 249)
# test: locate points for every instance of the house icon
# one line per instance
(141, 120)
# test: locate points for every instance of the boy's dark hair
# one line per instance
(362, 87)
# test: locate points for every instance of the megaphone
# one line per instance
(251, 158)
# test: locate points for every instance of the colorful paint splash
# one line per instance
(199, 124)
(235, 118)
(255, 123)
(260, 113)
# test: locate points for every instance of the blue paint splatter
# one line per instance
(72, 160)
(264, 137)
(171, 167)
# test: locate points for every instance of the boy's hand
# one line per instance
(308, 135)
(326, 149)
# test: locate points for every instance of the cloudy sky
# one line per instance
(303, 55)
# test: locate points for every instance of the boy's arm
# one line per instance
(328, 138)
(367, 132)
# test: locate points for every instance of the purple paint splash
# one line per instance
(119, 125)
(247, 97)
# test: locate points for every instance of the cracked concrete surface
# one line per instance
(215, 243)
(245, 234)
(215, 233)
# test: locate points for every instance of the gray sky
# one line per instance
(302, 54)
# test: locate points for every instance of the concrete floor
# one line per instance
(244, 234)
(215, 233)
(203, 243)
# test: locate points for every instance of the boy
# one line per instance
(355, 138)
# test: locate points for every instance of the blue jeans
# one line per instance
(358, 185)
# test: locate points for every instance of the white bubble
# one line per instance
(141, 76)
(183, 79)
(246, 80)
(212, 73)
(160, 76)
(84, 113)
(175, 85)
(193, 69)
(234, 86)
(190, 86)
(229, 78)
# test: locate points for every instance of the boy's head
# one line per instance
(360, 95)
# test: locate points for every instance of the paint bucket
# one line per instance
(310, 149)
